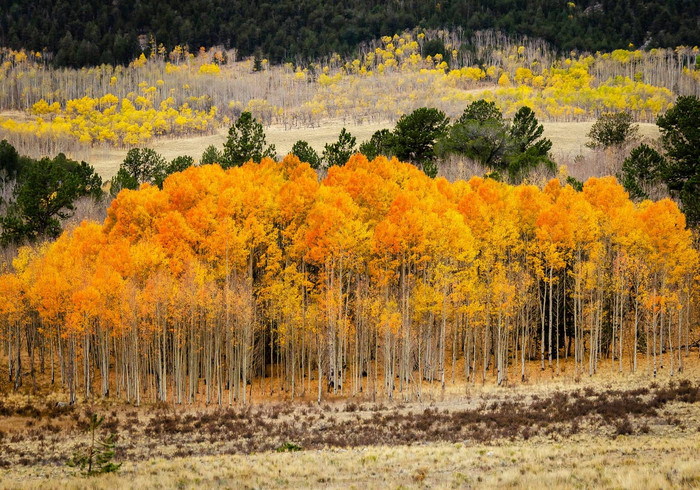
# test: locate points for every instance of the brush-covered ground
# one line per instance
(611, 430)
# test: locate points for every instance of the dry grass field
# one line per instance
(647, 461)
(568, 140)
(612, 430)
(107, 160)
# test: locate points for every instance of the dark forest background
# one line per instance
(93, 32)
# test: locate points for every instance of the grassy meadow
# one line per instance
(612, 430)
(568, 140)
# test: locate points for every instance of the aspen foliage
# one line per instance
(377, 279)
(182, 93)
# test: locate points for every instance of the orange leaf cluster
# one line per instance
(377, 250)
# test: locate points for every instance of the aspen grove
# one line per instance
(377, 280)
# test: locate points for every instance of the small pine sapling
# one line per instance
(98, 457)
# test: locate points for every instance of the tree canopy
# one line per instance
(45, 194)
(680, 135)
(353, 278)
(306, 153)
(381, 143)
(246, 141)
(9, 161)
(98, 32)
(338, 153)
(513, 148)
(612, 129)
(415, 135)
(140, 165)
(679, 168)
(211, 155)
(642, 171)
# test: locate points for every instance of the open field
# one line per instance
(646, 461)
(568, 140)
(611, 430)
(499, 443)
(106, 160)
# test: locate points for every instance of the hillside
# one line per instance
(96, 32)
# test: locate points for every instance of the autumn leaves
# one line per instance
(193, 95)
(377, 270)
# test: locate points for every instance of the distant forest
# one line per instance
(92, 32)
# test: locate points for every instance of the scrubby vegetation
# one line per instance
(487, 419)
